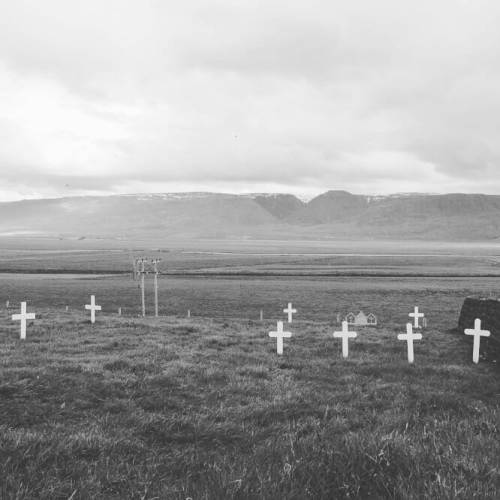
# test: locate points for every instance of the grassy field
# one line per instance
(317, 298)
(164, 408)
(205, 409)
(261, 258)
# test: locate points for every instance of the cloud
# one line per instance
(249, 95)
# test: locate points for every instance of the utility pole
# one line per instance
(155, 270)
(139, 264)
(134, 273)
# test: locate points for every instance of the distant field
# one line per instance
(239, 281)
(261, 258)
(216, 297)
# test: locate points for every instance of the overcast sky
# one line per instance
(104, 96)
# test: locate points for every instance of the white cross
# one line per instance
(289, 311)
(345, 335)
(280, 335)
(409, 336)
(93, 308)
(416, 315)
(478, 333)
(23, 317)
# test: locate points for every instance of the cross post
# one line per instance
(478, 333)
(345, 335)
(290, 311)
(409, 336)
(22, 318)
(92, 307)
(279, 334)
(416, 315)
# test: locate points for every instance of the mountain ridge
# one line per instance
(334, 214)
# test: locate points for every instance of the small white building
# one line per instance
(361, 319)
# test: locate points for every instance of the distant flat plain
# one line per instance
(237, 279)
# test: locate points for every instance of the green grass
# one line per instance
(205, 409)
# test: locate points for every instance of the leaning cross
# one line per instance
(409, 336)
(345, 335)
(289, 311)
(478, 333)
(280, 335)
(23, 317)
(93, 308)
(416, 315)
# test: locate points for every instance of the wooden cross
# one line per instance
(280, 335)
(478, 333)
(416, 315)
(409, 336)
(93, 308)
(290, 311)
(22, 318)
(345, 335)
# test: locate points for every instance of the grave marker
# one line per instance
(7, 304)
(478, 333)
(22, 318)
(409, 336)
(119, 311)
(290, 311)
(280, 335)
(93, 308)
(416, 315)
(345, 335)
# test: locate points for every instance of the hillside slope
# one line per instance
(334, 214)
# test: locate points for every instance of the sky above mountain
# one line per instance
(249, 96)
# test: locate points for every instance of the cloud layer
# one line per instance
(231, 95)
